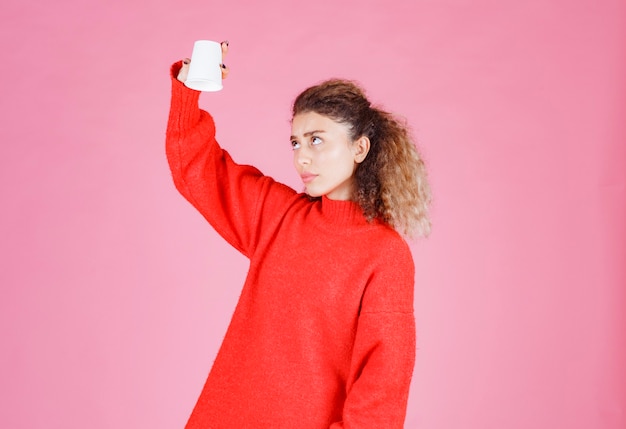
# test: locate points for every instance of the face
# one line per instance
(325, 156)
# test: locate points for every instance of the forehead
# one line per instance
(308, 122)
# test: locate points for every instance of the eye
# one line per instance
(315, 140)
(295, 145)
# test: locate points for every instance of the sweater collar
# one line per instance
(340, 214)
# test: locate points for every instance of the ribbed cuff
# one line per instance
(184, 110)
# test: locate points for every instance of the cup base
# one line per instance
(203, 85)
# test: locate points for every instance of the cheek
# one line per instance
(341, 159)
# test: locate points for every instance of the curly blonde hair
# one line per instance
(391, 183)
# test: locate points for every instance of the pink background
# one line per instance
(115, 293)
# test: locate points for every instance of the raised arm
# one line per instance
(225, 193)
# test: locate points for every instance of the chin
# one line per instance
(313, 193)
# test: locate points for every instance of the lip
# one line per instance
(307, 177)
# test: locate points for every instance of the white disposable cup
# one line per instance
(205, 72)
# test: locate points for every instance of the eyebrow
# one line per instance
(308, 134)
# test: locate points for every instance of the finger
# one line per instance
(225, 71)
(184, 70)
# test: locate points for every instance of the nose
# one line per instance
(302, 157)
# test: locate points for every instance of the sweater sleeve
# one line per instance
(384, 350)
(225, 193)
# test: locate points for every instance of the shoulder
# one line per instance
(391, 283)
(390, 245)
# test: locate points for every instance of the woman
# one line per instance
(323, 335)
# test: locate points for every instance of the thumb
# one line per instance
(184, 70)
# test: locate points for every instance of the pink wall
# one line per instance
(115, 294)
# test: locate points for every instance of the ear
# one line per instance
(361, 147)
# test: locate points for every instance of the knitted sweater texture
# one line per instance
(323, 335)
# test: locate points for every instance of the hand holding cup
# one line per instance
(208, 69)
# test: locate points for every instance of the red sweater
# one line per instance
(323, 335)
